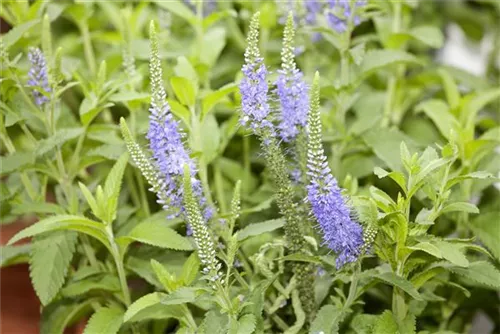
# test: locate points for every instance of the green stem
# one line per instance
(87, 47)
(219, 190)
(115, 252)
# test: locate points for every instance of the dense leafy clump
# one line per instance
(254, 167)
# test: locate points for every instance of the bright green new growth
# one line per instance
(236, 201)
(158, 94)
(142, 161)
(201, 234)
(287, 52)
(252, 52)
(315, 151)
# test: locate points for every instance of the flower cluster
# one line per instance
(166, 143)
(208, 6)
(340, 13)
(340, 232)
(337, 13)
(38, 76)
(253, 86)
(292, 91)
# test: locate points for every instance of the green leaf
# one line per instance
(112, 187)
(211, 99)
(129, 96)
(96, 209)
(15, 161)
(214, 323)
(105, 320)
(59, 315)
(208, 146)
(178, 8)
(90, 108)
(428, 248)
(64, 222)
(166, 279)
(37, 207)
(181, 296)
(49, 263)
(385, 143)
(260, 228)
(429, 35)
(378, 59)
(364, 323)
(184, 90)
(246, 324)
(481, 272)
(327, 320)
(149, 307)
(452, 252)
(386, 324)
(450, 88)
(477, 102)
(300, 316)
(487, 228)
(180, 111)
(190, 269)
(103, 282)
(10, 255)
(213, 42)
(156, 234)
(301, 257)
(61, 136)
(398, 177)
(440, 114)
(399, 282)
(17, 32)
(461, 207)
(480, 175)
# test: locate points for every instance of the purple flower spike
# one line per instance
(253, 86)
(294, 99)
(38, 76)
(340, 232)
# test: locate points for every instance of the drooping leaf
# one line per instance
(440, 115)
(104, 282)
(10, 255)
(64, 222)
(378, 59)
(211, 99)
(50, 257)
(57, 316)
(300, 316)
(156, 234)
(399, 282)
(452, 252)
(149, 307)
(487, 228)
(181, 296)
(260, 228)
(105, 320)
